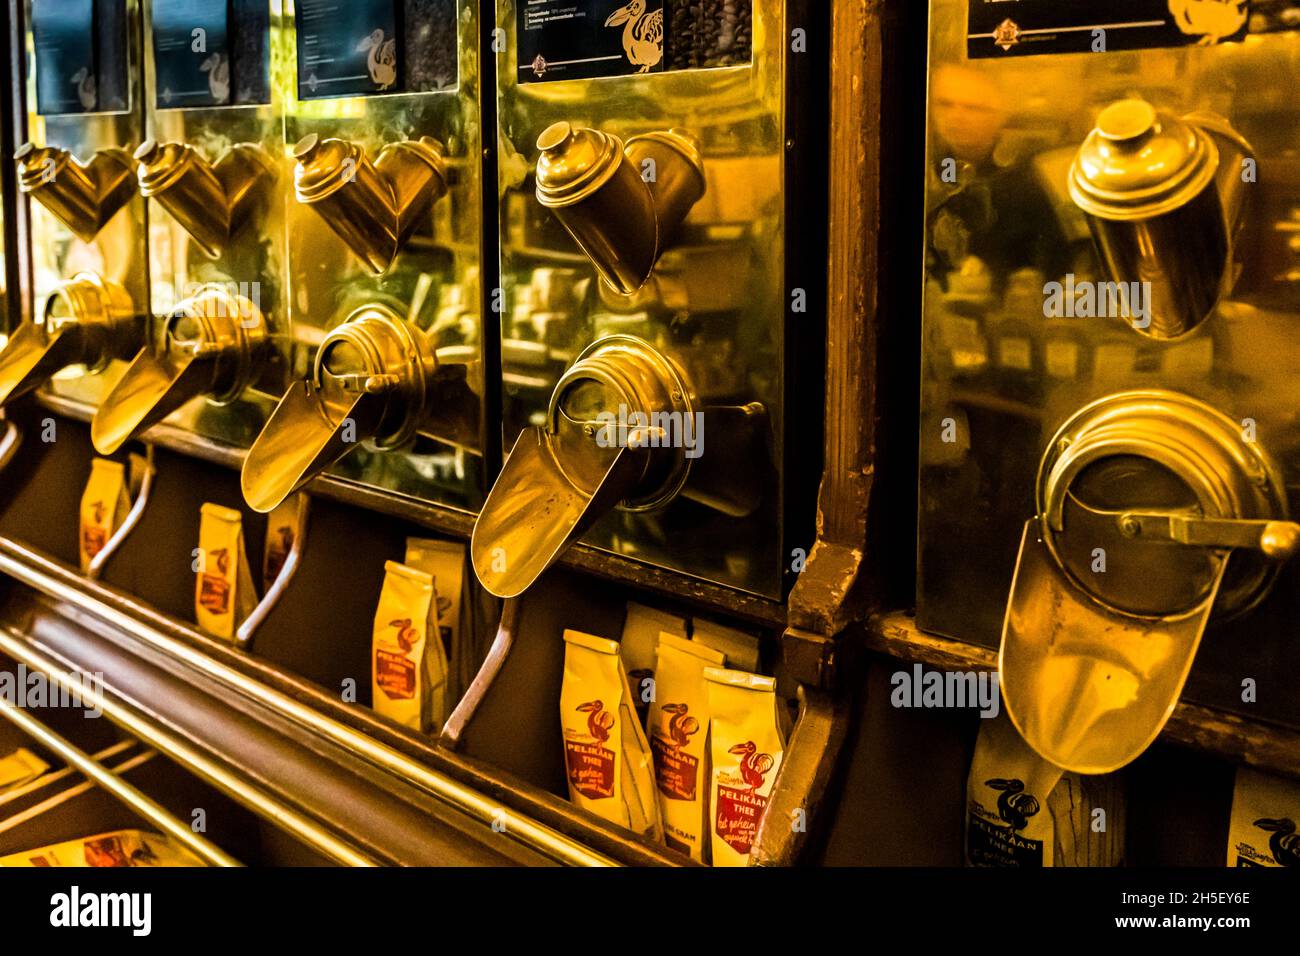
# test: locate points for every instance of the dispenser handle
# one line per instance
(1275, 539)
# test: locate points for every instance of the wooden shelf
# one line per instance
(1256, 743)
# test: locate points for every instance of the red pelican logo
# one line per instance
(406, 634)
(681, 726)
(599, 721)
(754, 766)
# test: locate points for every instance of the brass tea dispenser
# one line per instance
(82, 196)
(1163, 199)
(376, 378)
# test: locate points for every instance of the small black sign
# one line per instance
(1029, 27)
(81, 56)
(577, 39)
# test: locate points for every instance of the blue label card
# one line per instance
(63, 36)
(999, 28)
(191, 53)
(346, 47)
(575, 39)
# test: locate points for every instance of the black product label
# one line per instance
(191, 53)
(990, 844)
(577, 39)
(346, 47)
(1030, 27)
(65, 56)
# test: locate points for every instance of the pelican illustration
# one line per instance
(382, 61)
(643, 36)
(1284, 844)
(218, 69)
(85, 88)
(1015, 806)
(1211, 20)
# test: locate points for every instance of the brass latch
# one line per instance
(1275, 539)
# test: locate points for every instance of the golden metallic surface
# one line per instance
(210, 201)
(82, 196)
(95, 221)
(214, 344)
(373, 208)
(560, 479)
(710, 293)
(394, 243)
(1088, 688)
(86, 322)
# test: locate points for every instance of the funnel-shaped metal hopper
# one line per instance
(372, 381)
(86, 320)
(213, 344)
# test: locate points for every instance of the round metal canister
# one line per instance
(678, 181)
(338, 179)
(1154, 451)
(1145, 181)
(176, 175)
(65, 187)
(598, 195)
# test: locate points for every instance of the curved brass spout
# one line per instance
(212, 345)
(373, 208)
(211, 201)
(84, 197)
(622, 206)
(86, 320)
(377, 378)
(561, 478)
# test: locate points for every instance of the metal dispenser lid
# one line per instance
(323, 166)
(1139, 163)
(1142, 497)
(161, 165)
(574, 163)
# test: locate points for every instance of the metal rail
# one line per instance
(530, 833)
(137, 800)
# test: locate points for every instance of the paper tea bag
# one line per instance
(223, 587)
(19, 768)
(1265, 817)
(606, 755)
(445, 560)
(638, 646)
(104, 506)
(746, 749)
(408, 670)
(679, 735)
(114, 849)
(281, 530)
(741, 648)
(1007, 821)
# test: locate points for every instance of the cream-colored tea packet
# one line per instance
(746, 748)
(592, 724)
(408, 670)
(1265, 818)
(19, 768)
(679, 741)
(1008, 822)
(223, 584)
(637, 647)
(104, 506)
(742, 649)
(445, 560)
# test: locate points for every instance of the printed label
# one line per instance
(591, 769)
(676, 771)
(214, 589)
(576, 39)
(738, 814)
(996, 28)
(395, 674)
(990, 844)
